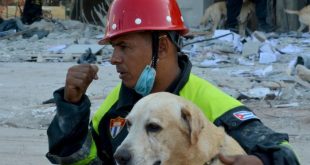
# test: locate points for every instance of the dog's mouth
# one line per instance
(158, 162)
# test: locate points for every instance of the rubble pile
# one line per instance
(46, 41)
(271, 67)
(262, 67)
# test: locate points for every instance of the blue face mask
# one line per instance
(146, 80)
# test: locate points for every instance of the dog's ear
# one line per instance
(193, 122)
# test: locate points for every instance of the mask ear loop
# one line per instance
(155, 45)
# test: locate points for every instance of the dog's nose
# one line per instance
(122, 156)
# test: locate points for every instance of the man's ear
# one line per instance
(163, 45)
(193, 121)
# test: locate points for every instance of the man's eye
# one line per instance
(153, 127)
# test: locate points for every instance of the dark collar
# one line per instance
(128, 97)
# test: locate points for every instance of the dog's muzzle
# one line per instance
(122, 156)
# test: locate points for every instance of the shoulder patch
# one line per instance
(245, 115)
(116, 125)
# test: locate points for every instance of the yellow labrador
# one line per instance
(247, 14)
(165, 129)
(216, 14)
(304, 17)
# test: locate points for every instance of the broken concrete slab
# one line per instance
(303, 72)
(81, 48)
(250, 48)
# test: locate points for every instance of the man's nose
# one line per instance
(115, 58)
(122, 156)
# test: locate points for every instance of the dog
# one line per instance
(247, 14)
(165, 129)
(216, 15)
(304, 17)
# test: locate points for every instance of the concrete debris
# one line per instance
(250, 48)
(263, 72)
(259, 36)
(303, 72)
(58, 49)
(212, 63)
(260, 93)
(81, 48)
(267, 58)
(273, 85)
(291, 49)
(286, 105)
(245, 61)
(87, 58)
(255, 67)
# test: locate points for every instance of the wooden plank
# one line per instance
(81, 48)
(57, 11)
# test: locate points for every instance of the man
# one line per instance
(147, 56)
(234, 8)
(32, 11)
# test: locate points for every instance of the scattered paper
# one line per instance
(259, 92)
(209, 63)
(57, 49)
(246, 62)
(263, 72)
(287, 105)
(267, 58)
(291, 49)
(234, 38)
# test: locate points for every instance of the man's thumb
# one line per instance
(228, 160)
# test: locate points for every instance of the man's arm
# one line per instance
(257, 139)
(70, 142)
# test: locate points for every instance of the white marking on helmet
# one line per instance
(182, 19)
(138, 21)
(114, 26)
(168, 18)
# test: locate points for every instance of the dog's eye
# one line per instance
(152, 127)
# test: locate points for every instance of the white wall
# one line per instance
(192, 11)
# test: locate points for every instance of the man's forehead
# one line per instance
(128, 37)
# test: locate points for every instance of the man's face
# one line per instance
(132, 52)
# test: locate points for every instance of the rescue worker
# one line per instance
(234, 8)
(146, 36)
(32, 11)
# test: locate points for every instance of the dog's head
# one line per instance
(162, 128)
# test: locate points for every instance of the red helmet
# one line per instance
(138, 15)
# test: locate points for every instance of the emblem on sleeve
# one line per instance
(245, 115)
(116, 125)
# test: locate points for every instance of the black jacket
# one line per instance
(69, 129)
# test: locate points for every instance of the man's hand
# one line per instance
(240, 160)
(78, 79)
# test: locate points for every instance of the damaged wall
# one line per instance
(192, 12)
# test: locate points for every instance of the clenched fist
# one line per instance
(78, 79)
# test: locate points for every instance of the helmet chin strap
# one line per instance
(174, 37)
(155, 45)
